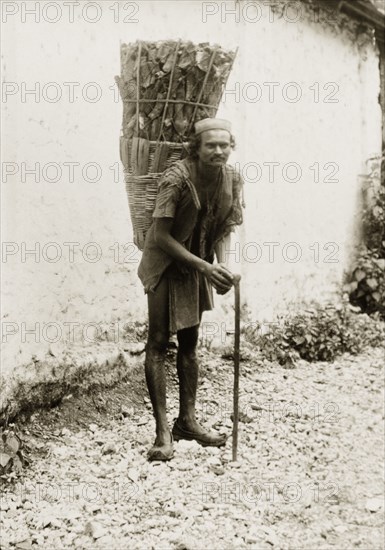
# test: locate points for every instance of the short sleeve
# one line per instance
(236, 211)
(235, 216)
(169, 192)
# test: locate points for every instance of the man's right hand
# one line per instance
(220, 277)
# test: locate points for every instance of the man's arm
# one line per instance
(218, 275)
(221, 248)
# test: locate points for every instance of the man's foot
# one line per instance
(195, 432)
(162, 449)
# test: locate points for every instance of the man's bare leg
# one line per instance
(188, 372)
(158, 335)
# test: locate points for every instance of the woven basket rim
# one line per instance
(150, 176)
(170, 143)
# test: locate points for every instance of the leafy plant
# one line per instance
(11, 456)
(365, 284)
(318, 334)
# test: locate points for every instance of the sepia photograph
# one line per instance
(192, 275)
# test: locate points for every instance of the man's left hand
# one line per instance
(229, 282)
(223, 291)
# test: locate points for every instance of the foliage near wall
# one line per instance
(318, 334)
(366, 283)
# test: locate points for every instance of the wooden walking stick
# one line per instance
(237, 279)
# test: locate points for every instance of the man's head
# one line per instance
(212, 142)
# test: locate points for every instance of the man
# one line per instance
(198, 204)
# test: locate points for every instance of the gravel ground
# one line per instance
(309, 473)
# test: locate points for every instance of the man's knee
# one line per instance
(188, 339)
(157, 341)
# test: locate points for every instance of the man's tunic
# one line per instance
(198, 229)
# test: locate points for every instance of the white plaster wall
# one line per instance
(38, 293)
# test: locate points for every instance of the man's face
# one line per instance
(215, 147)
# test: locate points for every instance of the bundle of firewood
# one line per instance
(167, 86)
